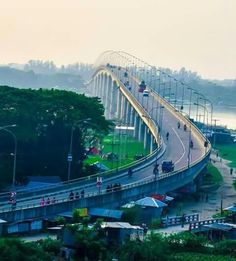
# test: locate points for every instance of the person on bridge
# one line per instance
(156, 170)
(48, 201)
(71, 195)
(130, 172)
(191, 144)
(82, 194)
(167, 135)
(42, 202)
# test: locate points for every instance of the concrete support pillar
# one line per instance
(122, 109)
(141, 130)
(128, 113)
(118, 108)
(151, 143)
(107, 89)
(136, 126)
(124, 115)
(102, 93)
(132, 116)
(145, 137)
(114, 99)
(97, 85)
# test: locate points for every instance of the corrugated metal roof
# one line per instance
(102, 212)
(150, 202)
(119, 225)
(2, 221)
(231, 208)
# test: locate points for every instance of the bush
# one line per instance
(187, 242)
(225, 247)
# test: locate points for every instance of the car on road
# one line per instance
(145, 93)
(167, 166)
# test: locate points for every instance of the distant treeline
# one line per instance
(37, 73)
(30, 79)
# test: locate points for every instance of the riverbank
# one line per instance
(210, 200)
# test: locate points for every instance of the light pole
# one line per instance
(4, 128)
(205, 116)
(214, 142)
(70, 156)
(190, 101)
(207, 100)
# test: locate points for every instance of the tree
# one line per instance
(90, 241)
(16, 250)
(44, 121)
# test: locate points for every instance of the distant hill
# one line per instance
(22, 79)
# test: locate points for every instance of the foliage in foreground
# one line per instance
(91, 244)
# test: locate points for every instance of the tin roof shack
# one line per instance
(218, 231)
(231, 213)
(26, 226)
(150, 209)
(106, 214)
(118, 232)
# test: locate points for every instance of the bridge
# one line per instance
(116, 81)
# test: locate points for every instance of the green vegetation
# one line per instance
(15, 250)
(90, 243)
(125, 147)
(45, 120)
(212, 175)
(228, 152)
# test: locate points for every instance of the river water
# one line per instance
(225, 116)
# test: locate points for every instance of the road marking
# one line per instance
(181, 144)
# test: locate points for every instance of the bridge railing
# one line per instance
(104, 191)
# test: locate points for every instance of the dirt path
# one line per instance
(210, 202)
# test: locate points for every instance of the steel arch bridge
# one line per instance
(116, 81)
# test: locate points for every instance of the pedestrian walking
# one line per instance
(231, 171)
(42, 202)
(77, 195)
(71, 195)
(82, 193)
(48, 201)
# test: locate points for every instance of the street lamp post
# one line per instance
(4, 128)
(205, 115)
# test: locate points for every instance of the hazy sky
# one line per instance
(199, 35)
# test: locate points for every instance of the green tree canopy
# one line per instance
(44, 120)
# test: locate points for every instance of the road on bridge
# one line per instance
(177, 150)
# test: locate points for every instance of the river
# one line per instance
(225, 116)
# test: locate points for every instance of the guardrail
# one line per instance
(198, 225)
(178, 220)
(104, 191)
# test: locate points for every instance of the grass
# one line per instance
(122, 145)
(228, 152)
(212, 175)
